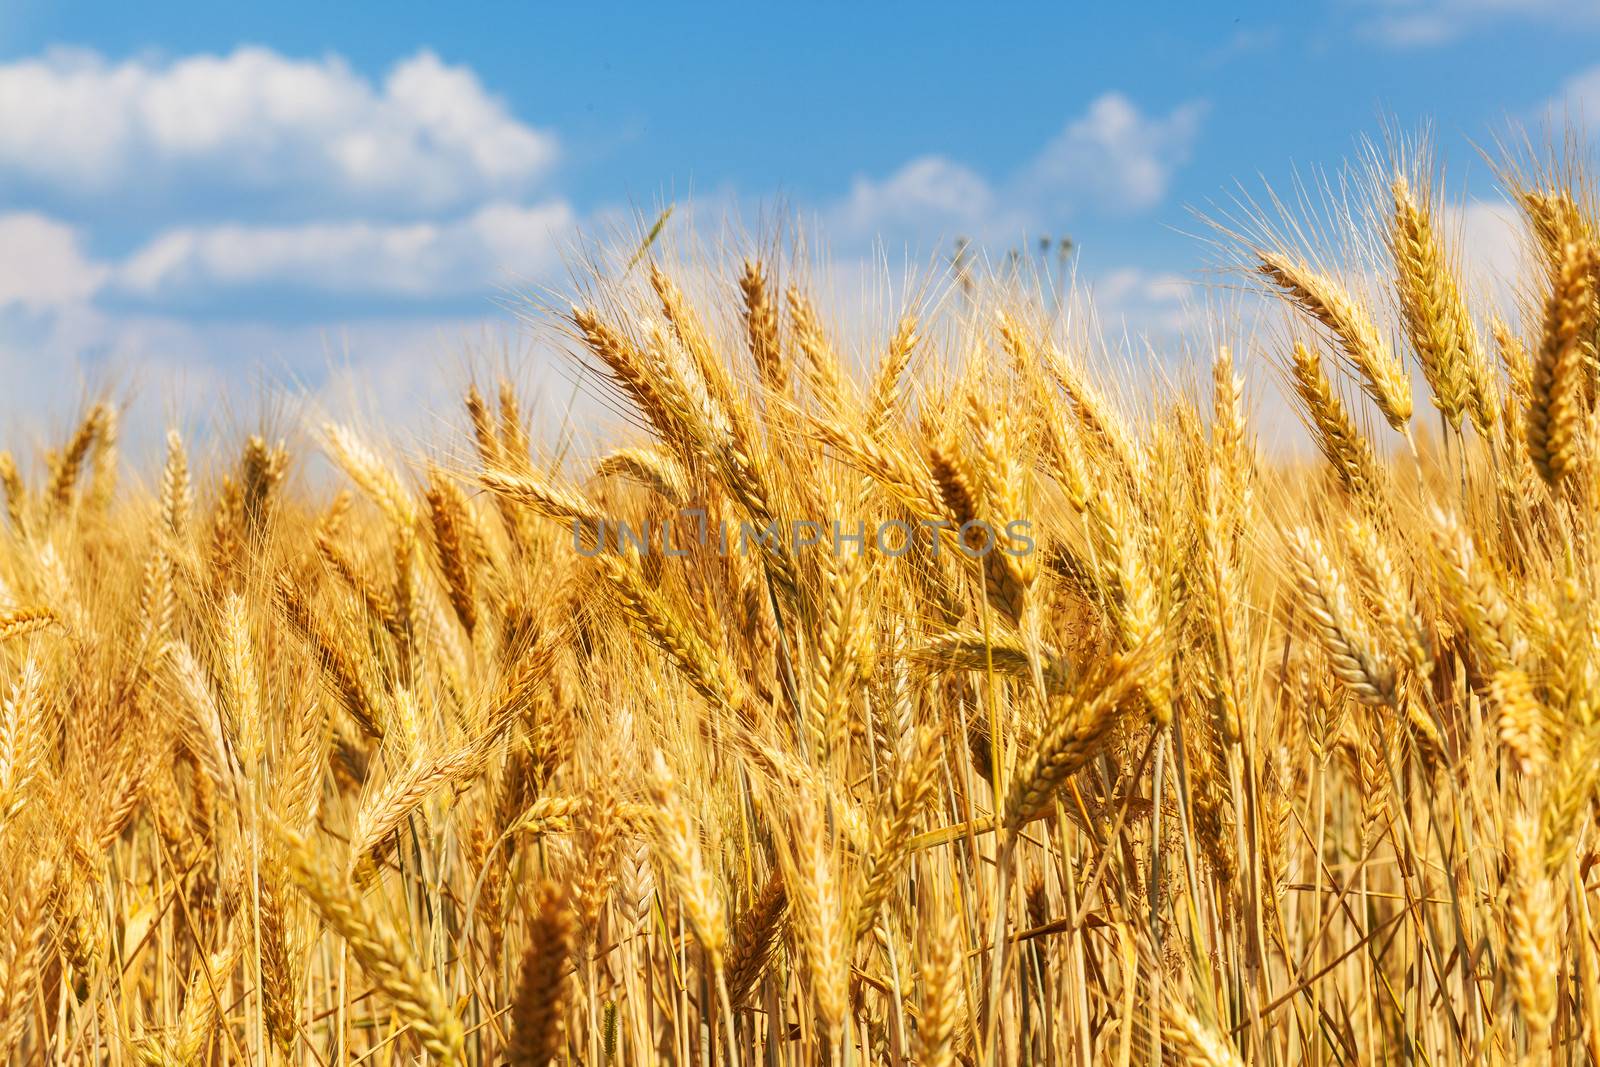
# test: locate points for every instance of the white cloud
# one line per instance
(499, 243)
(1494, 249)
(42, 263)
(1155, 307)
(1133, 287)
(930, 196)
(253, 175)
(1579, 99)
(1423, 23)
(1113, 157)
(311, 133)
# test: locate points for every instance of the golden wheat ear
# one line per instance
(382, 952)
(544, 989)
(1351, 326)
(1563, 363)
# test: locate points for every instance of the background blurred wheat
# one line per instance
(1249, 760)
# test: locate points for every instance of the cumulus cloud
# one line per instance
(1578, 100)
(312, 134)
(44, 264)
(499, 244)
(1494, 248)
(932, 193)
(237, 184)
(496, 244)
(1133, 287)
(1114, 157)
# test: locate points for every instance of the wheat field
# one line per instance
(1093, 732)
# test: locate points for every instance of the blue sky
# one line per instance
(188, 195)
